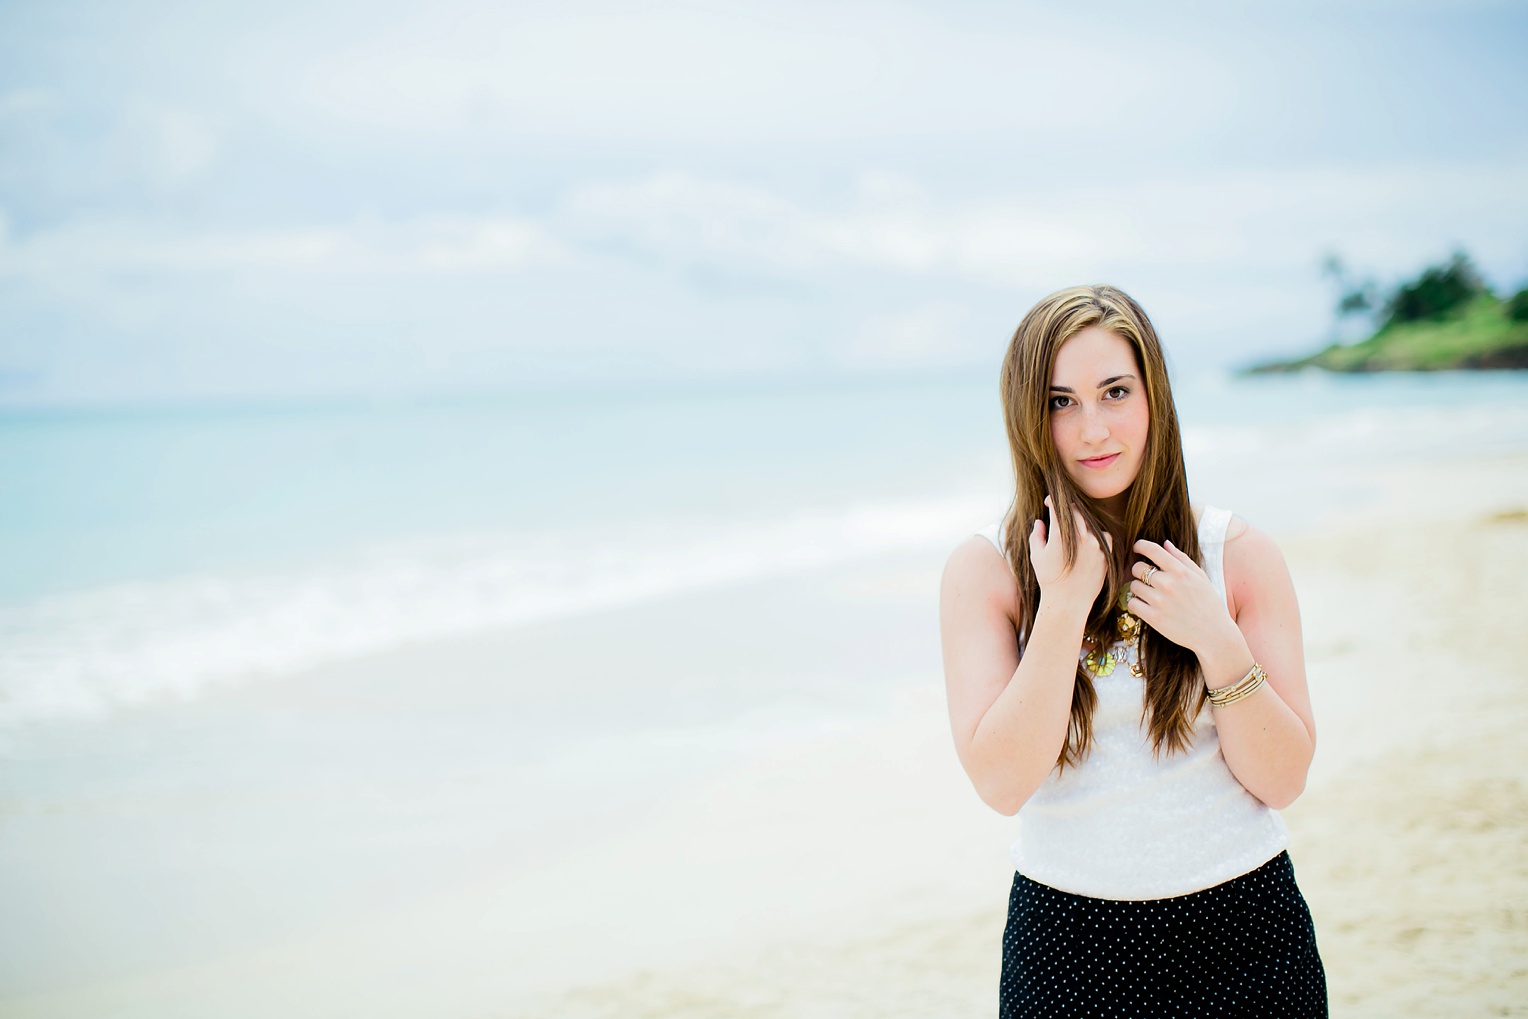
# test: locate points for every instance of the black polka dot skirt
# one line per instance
(1242, 948)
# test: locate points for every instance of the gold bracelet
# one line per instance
(1230, 688)
(1237, 690)
(1244, 687)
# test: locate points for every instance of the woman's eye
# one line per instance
(1117, 393)
(1059, 402)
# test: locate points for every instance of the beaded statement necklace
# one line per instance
(1129, 631)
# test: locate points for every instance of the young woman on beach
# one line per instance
(1125, 673)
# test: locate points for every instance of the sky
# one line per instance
(217, 201)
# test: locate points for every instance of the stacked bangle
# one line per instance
(1244, 687)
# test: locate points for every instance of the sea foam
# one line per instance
(85, 653)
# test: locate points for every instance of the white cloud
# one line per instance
(900, 231)
(751, 70)
(172, 146)
(451, 244)
(1388, 218)
(933, 333)
(24, 101)
(429, 245)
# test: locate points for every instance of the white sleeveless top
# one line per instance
(1126, 824)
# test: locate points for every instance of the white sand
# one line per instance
(850, 870)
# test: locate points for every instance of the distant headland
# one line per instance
(1446, 318)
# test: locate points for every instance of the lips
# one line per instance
(1098, 463)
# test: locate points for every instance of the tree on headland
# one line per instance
(1354, 296)
(1446, 317)
(1434, 294)
(1517, 306)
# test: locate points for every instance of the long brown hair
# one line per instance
(1157, 508)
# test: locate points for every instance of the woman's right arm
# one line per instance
(1009, 715)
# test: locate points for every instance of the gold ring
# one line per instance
(1149, 571)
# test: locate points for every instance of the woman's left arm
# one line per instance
(1268, 739)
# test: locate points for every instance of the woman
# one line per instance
(1125, 673)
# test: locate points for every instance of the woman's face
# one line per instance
(1098, 413)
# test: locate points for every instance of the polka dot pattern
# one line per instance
(1245, 947)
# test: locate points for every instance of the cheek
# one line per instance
(1139, 425)
(1060, 439)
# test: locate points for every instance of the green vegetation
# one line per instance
(1445, 318)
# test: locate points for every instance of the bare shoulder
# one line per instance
(976, 574)
(1250, 546)
(1254, 567)
(1244, 542)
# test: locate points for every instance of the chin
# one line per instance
(1102, 492)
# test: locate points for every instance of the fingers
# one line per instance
(1079, 522)
(1084, 531)
(1156, 553)
(1036, 539)
(1141, 607)
(1182, 556)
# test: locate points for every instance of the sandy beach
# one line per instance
(839, 867)
(1408, 842)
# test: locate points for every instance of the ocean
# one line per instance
(165, 554)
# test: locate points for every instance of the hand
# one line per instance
(1085, 577)
(1173, 594)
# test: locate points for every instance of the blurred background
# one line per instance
(435, 438)
(208, 202)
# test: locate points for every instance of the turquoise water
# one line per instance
(92, 498)
(156, 551)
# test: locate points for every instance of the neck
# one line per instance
(1114, 507)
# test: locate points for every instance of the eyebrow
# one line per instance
(1102, 385)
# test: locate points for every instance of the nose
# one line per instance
(1094, 429)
